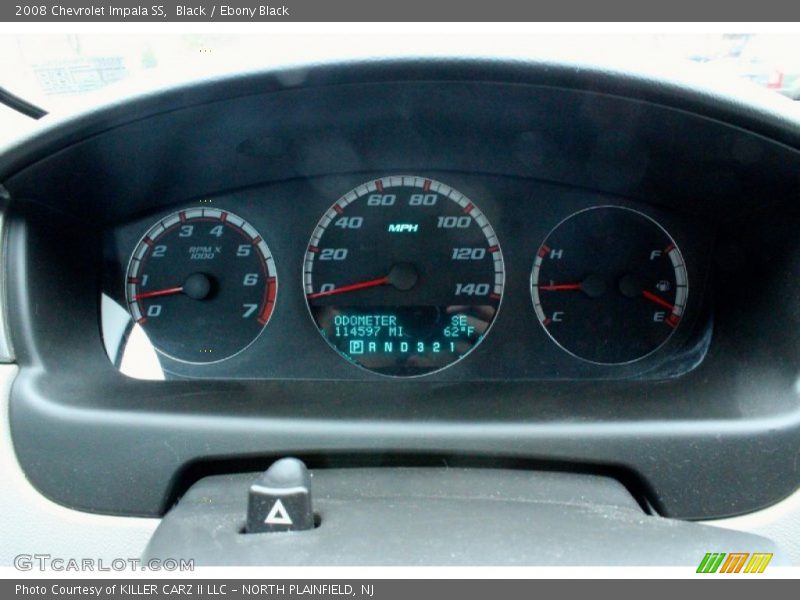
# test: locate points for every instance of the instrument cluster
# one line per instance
(406, 276)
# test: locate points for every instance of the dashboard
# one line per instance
(474, 263)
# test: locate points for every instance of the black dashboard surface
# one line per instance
(715, 435)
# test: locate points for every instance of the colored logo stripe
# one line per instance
(713, 562)
(758, 563)
(734, 562)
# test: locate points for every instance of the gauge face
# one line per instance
(202, 284)
(609, 285)
(403, 275)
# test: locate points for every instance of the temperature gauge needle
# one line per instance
(560, 287)
(156, 293)
(351, 288)
(656, 300)
(593, 286)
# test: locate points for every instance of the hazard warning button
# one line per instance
(280, 499)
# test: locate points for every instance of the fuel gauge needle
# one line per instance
(656, 300)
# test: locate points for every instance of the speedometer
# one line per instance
(403, 275)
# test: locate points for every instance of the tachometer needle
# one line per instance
(351, 288)
(198, 286)
(156, 293)
(655, 299)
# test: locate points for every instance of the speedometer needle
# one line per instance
(156, 293)
(402, 276)
(351, 288)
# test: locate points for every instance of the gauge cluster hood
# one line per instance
(710, 438)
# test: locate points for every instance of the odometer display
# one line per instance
(403, 275)
(202, 284)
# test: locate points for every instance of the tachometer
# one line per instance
(609, 285)
(202, 284)
(403, 275)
